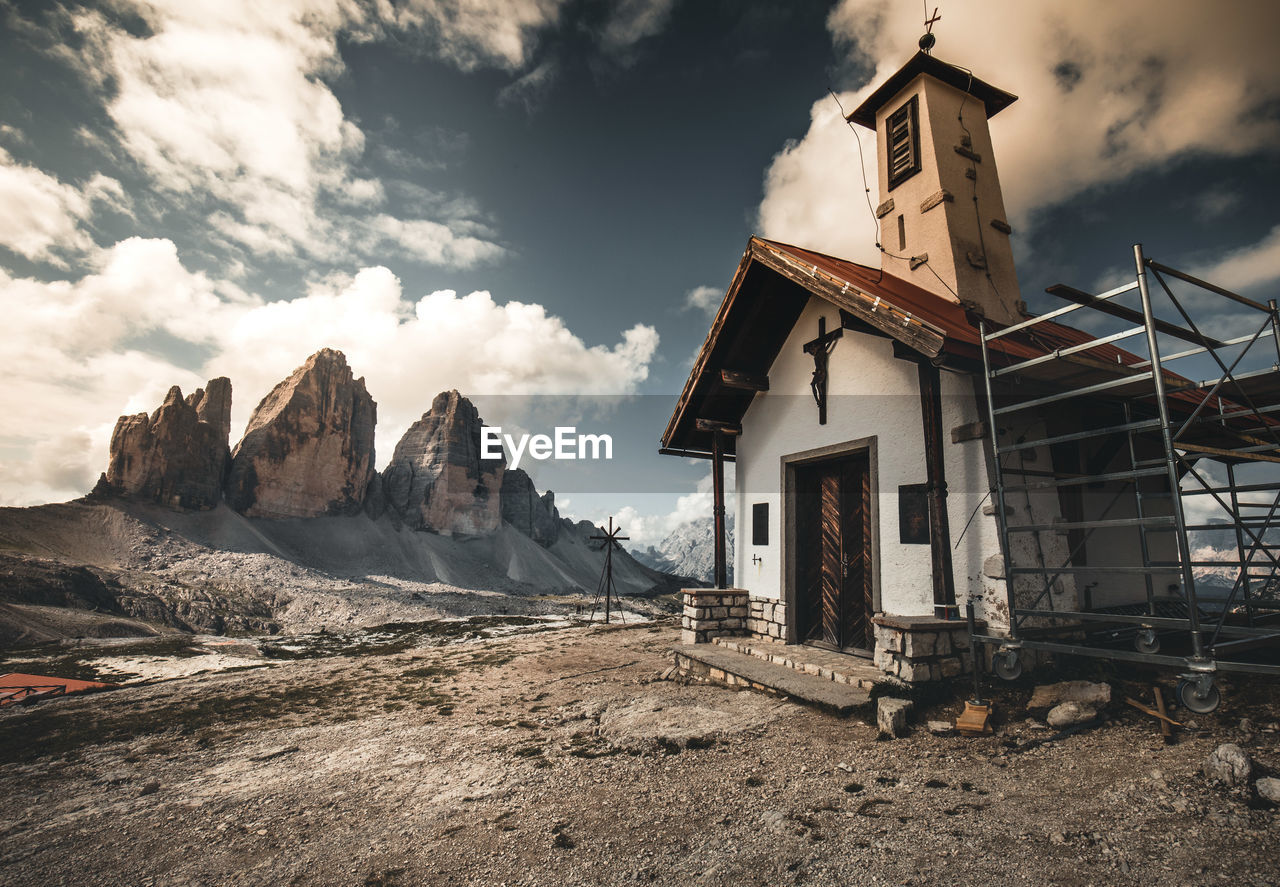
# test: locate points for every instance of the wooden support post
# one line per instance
(717, 509)
(944, 586)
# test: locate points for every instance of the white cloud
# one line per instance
(530, 90)
(77, 360)
(230, 101)
(632, 21)
(1247, 267)
(703, 298)
(814, 192)
(442, 341)
(1106, 89)
(432, 242)
(43, 217)
(648, 527)
(475, 33)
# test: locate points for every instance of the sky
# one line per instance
(547, 197)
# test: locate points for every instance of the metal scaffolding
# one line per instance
(1139, 509)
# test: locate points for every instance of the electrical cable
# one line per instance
(871, 209)
(972, 515)
(862, 164)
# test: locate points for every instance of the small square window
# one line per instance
(760, 523)
(902, 141)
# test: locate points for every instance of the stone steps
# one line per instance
(840, 668)
(722, 664)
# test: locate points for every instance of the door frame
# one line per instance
(806, 458)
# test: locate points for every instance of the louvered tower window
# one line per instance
(903, 139)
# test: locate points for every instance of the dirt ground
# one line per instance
(560, 757)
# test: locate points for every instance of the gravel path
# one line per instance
(560, 757)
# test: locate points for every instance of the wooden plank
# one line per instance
(1232, 454)
(808, 538)
(1151, 711)
(744, 381)
(708, 346)
(1165, 730)
(863, 523)
(880, 313)
(832, 572)
(713, 426)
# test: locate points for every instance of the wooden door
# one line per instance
(833, 563)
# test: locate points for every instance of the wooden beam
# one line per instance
(692, 454)
(717, 508)
(717, 427)
(878, 312)
(1227, 454)
(744, 381)
(708, 346)
(944, 586)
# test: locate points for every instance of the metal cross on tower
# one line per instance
(606, 588)
(928, 40)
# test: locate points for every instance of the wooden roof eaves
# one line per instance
(708, 346)
(877, 311)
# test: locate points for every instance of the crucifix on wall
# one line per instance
(821, 349)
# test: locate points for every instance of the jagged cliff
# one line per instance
(689, 550)
(436, 479)
(535, 516)
(186, 537)
(308, 449)
(177, 456)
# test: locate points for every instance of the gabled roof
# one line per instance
(993, 99)
(774, 282)
(769, 290)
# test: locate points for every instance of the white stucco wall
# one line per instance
(871, 395)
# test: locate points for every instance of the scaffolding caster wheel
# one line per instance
(1147, 641)
(1199, 697)
(1007, 664)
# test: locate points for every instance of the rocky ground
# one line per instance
(559, 756)
(127, 568)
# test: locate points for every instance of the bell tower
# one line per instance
(942, 218)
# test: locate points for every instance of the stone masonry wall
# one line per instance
(767, 619)
(713, 612)
(922, 649)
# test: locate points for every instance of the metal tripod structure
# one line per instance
(606, 589)
(1160, 450)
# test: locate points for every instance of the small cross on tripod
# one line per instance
(606, 588)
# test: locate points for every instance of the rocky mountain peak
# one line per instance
(308, 449)
(436, 479)
(213, 405)
(178, 455)
(689, 550)
(535, 516)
